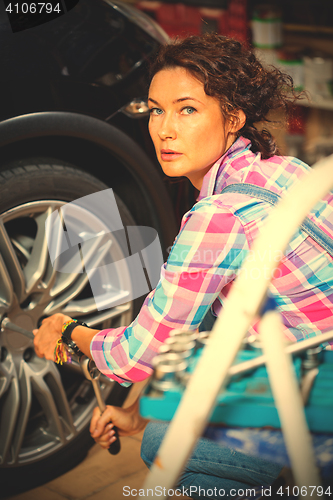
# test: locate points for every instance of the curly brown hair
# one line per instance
(232, 73)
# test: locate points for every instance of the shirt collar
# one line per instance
(209, 181)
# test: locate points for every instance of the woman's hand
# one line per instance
(127, 420)
(47, 335)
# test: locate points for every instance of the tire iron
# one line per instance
(92, 374)
(6, 324)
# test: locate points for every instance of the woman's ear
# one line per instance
(238, 121)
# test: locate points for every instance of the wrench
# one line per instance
(7, 324)
(92, 373)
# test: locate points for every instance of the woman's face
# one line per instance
(186, 125)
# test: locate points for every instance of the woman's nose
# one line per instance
(167, 130)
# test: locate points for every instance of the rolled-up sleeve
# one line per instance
(205, 257)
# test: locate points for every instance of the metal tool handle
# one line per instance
(8, 325)
(91, 373)
(114, 447)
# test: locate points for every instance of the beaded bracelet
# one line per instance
(65, 325)
(61, 355)
(66, 338)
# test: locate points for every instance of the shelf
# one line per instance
(317, 102)
(307, 29)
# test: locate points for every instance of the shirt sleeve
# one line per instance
(206, 256)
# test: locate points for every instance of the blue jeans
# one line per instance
(208, 321)
(212, 469)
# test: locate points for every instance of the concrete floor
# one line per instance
(101, 476)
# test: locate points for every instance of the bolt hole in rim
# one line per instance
(44, 406)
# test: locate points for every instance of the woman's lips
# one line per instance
(169, 155)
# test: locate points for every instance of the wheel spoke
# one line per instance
(58, 394)
(117, 311)
(12, 263)
(55, 240)
(95, 250)
(39, 258)
(46, 400)
(70, 286)
(7, 372)
(57, 304)
(88, 306)
(10, 395)
(6, 289)
(92, 252)
(23, 414)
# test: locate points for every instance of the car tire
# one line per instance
(27, 187)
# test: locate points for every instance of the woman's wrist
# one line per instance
(139, 422)
(66, 336)
(82, 336)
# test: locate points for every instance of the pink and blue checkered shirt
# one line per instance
(215, 237)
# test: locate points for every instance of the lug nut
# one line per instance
(27, 355)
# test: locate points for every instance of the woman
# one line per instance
(205, 97)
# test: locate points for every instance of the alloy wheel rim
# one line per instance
(43, 406)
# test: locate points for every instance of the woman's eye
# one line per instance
(188, 110)
(155, 111)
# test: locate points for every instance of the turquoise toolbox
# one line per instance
(245, 417)
(247, 400)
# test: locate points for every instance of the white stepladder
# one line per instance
(214, 367)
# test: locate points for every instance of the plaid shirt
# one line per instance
(215, 237)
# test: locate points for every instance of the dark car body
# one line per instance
(56, 77)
